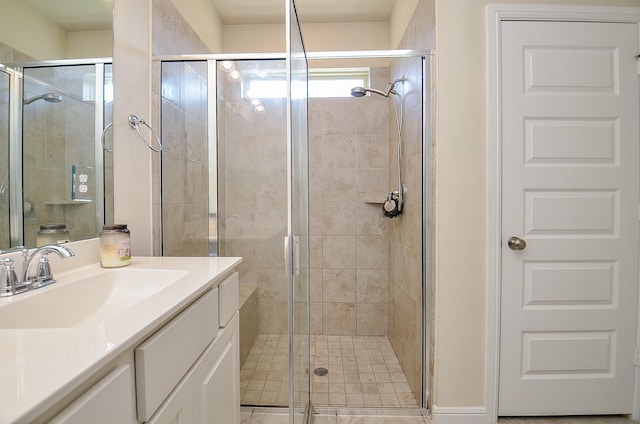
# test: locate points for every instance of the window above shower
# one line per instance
(323, 82)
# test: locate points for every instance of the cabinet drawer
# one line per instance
(166, 357)
(108, 401)
(229, 298)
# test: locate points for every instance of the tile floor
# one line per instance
(264, 377)
(276, 418)
(363, 372)
(566, 420)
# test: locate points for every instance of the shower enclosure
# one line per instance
(54, 168)
(369, 305)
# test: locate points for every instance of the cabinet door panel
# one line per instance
(218, 379)
(177, 408)
(108, 401)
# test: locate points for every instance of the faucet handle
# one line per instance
(43, 274)
(9, 283)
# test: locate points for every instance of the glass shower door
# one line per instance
(297, 240)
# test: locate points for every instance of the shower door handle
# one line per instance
(292, 255)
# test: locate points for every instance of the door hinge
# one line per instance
(637, 361)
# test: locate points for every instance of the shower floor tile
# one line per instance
(264, 377)
(363, 371)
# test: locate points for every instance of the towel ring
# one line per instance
(104, 131)
(134, 124)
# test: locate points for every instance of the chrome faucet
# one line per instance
(10, 285)
(42, 277)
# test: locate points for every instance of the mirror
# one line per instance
(55, 101)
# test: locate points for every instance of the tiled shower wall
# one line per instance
(181, 200)
(183, 204)
(405, 234)
(349, 180)
(185, 182)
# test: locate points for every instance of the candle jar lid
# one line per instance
(53, 227)
(114, 227)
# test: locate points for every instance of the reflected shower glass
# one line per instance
(62, 118)
(4, 159)
(108, 143)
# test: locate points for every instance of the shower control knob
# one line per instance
(389, 205)
(516, 243)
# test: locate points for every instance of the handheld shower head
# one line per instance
(47, 97)
(362, 91)
(358, 91)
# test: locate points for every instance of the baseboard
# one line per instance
(459, 415)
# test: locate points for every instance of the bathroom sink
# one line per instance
(85, 301)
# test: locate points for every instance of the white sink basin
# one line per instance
(85, 301)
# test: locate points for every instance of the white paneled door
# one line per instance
(570, 184)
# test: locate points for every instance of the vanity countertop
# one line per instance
(39, 366)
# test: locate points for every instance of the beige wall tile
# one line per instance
(339, 185)
(370, 220)
(339, 318)
(339, 218)
(339, 151)
(372, 184)
(373, 252)
(339, 251)
(372, 319)
(373, 286)
(372, 151)
(339, 285)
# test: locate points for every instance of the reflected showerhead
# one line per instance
(47, 97)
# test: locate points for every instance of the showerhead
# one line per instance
(362, 91)
(358, 91)
(47, 97)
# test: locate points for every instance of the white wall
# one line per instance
(270, 38)
(82, 44)
(400, 17)
(132, 95)
(205, 21)
(30, 32)
(461, 197)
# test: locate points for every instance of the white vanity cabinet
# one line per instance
(216, 379)
(109, 401)
(189, 371)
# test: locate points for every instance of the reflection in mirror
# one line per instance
(32, 31)
(62, 122)
(4, 159)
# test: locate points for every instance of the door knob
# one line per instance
(516, 243)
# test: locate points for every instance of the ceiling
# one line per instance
(234, 12)
(81, 15)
